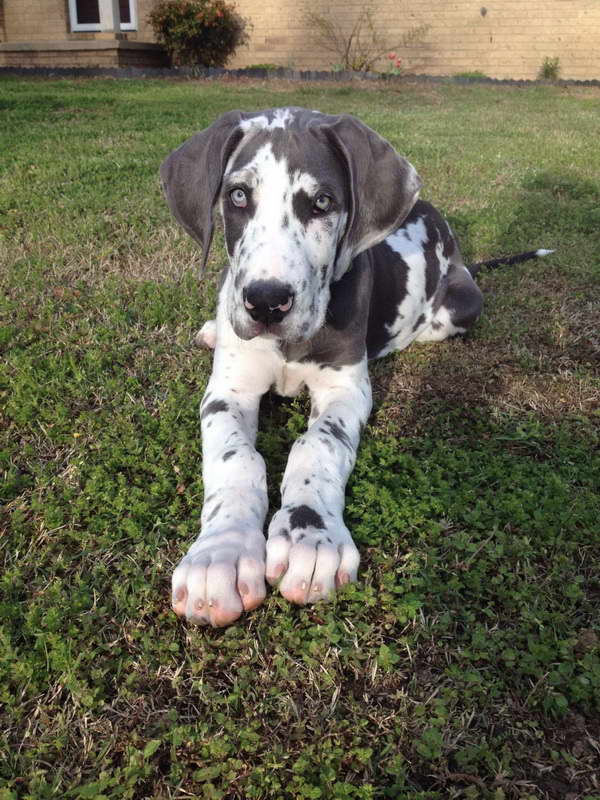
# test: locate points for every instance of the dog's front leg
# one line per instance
(309, 547)
(223, 572)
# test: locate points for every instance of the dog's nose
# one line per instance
(268, 301)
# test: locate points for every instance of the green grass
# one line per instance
(465, 662)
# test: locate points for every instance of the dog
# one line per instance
(333, 260)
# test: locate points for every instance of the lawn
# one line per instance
(466, 661)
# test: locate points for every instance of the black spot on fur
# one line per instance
(335, 430)
(239, 278)
(306, 481)
(432, 262)
(228, 454)
(419, 322)
(214, 512)
(324, 269)
(284, 533)
(304, 517)
(214, 407)
(303, 206)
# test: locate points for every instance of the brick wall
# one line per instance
(48, 20)
(509, 40)
(35, 20)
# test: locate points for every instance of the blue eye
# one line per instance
(238, 198)
(322, 203)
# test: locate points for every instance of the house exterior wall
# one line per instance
(48, 20)
(510, 39)
(37, 33)
(35, 20)
(501, 38)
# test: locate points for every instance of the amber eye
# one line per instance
(238, 198)
(322, 203)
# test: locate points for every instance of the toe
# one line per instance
(347, 570)
(295, 585)
(207, 335)
(179, 600)
(323, 579)
(179, 593)
(196, 608)
(278, 550)
(224, 601)
(251, 582)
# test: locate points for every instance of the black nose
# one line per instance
(268, 301)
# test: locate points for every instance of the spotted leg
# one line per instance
(309, 547)
(459, 309)
(222, 574)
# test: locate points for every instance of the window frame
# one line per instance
(96, 26)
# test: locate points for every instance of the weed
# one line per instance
(550, 69)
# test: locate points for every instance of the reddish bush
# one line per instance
(198, 32)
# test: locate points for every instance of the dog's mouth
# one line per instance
(283, 331)
(253, 329)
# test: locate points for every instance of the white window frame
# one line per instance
(96, 26)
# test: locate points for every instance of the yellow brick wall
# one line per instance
(35, 20)
(48, 20)
(510, 41)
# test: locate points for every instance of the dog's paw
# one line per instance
(310, 561)
(222, 575)
(207, 335)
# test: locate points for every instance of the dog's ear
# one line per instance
(191, 177)
(383, 187)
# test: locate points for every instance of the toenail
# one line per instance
(303, 586)
(178, 595)
(243, 587)
(199, 603)
(316, 587)
(212, 603)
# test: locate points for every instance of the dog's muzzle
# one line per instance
(268, 302)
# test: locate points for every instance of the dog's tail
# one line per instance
(494, 263)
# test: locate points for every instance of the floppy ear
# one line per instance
(191, 177)
(383, 187)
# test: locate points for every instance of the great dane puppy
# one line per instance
(332, 261)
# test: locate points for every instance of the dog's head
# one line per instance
(301, 194)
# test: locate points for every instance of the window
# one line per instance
(85, 15)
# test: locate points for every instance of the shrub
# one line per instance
(268, 67)
(198, 32)
(357, 43)
(550, 69)
(474, 75)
